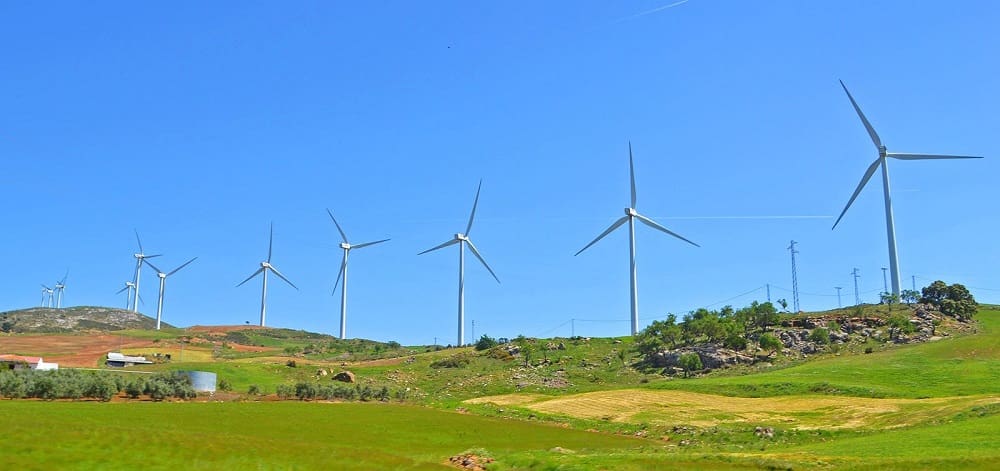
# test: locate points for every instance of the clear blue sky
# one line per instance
(197, 124)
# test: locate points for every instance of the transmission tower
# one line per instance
(795, 279)
(885, 284)
(857, 297)
(838, 288)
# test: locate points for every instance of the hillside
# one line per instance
(73, 319)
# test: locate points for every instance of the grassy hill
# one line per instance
(73, 319)
(915, 406)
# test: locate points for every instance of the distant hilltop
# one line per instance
(73, 319)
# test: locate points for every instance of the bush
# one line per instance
(254, 390)
(955, 300)
(735, 342)
(820, 336)
(690, 362)
(225, 385)
(284, 391)
(770, 343)
(454, 361)
(485, 343)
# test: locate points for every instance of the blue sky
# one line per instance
(199, 124)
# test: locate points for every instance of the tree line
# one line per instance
(99, 385)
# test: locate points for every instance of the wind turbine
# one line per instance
(343, 273)
(881, 161)
(462, 240)
(60, 287)
(139, 257)
(630, 216)
(265, 267)
(128, 296)
(163, 282)
(46, 293)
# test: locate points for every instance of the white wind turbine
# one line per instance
(163, 281)
(129, 286)
(881, 161)
(60, 288)
(630, 216)
(46, 296)
(462, 240)
(346, 246)
(265, 267)
(139, 257)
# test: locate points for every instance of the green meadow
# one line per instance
(933, 405)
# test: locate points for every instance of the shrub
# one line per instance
(254, 390)
(735, 342)
(770, 343)
(454, 361)
(291, 364)
(304, 390)
(284, 391)
(690, 362)
(820, 336)
(225, 385)
(485, 343)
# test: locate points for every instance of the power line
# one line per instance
(795, 279)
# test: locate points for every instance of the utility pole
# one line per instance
(769, 292)
(572, 327)
(795, 278)
(885, 284)
(857, 297)
(473, 330)
(838, 288)
(435, 341)
(913, 280)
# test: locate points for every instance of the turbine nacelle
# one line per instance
(631, 212)
(345, 246)
(161, 274)
(265, 265)
(882, 152)
(461, 237)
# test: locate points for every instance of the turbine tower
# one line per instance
(795, 278)
(163, 282)
(46, 297)
(139, 257)
(60, 287)
(630, 216)
(462, 240)
(265, 267)
(881, 161)
(346, 246)
(128, 296)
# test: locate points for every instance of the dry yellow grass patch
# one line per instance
(804, 412)
(508, 399)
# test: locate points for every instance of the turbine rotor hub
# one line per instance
(882, 151)
(461, 237)
(631, 212)
(265, 265)
(345, 246)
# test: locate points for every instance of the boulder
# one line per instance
(344, 376)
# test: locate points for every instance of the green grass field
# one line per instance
(934, 405)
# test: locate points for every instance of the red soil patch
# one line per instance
(70, 350)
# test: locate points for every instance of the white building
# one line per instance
(18, 362)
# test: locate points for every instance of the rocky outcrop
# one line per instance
(712, 357)
(344, 377)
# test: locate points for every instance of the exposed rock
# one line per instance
(712, 356)
(322, 372)
(764, 432)
(344, 376)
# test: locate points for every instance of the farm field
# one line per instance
(581, 406)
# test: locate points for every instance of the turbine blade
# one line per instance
(143, 301)
(868, 126)
(152, 256)
(138, 240)
(270, 243)
(474, 204)
(46, 287)
(631, 173)
(450, 242)
(606, 232)
(864, 180)
(654, 225)
(343, 266)
(342, 235)
(63, 280)
(151, 265)
(480, 257)
(366, 244)
(182, 266)
(278, 273)
(928, 156)
(649, 222)
(251, 276)
(123, 289)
